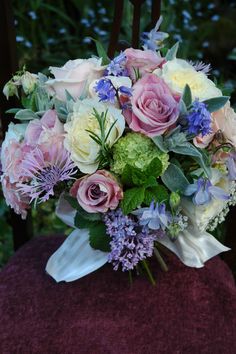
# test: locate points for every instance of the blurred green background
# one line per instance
(50, 32)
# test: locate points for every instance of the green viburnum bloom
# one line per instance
(138, 151)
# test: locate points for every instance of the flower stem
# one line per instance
(160, 260)
(130, 277)
(146, 267)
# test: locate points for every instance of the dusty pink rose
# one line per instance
(223, 120)
(12, 157)
(14, 198)
(154, 108)
(75, 77)
(145, 61)
(97, 192)
(45, 131)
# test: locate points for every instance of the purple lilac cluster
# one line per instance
(199, 119)
(131, 243)
(117, 66)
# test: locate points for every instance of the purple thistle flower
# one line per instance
(200, 66)
(203, 192)
(45, 173)
(117, 66)
(105, 90)
(153, 40)
(199, 119)
(155, 217)
(130, 242)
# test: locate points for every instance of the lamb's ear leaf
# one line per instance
(26, 114)
(215, 103)
(187, 96)
(172, 52)
(174, 179)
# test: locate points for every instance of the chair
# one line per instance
(189, 311)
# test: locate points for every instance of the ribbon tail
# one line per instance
(194, 247)
(75, 258)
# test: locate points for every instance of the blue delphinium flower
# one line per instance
(105, 90)
(117, 66)
(203, 192)
(130, 242)
(153, 40)
(125, 91)
(155, 217)
(199, 119)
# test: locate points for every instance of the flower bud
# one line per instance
(28, 82)
(174, 200)
(10, 89)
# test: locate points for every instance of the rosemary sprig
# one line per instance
(104, 156)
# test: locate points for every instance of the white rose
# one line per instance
(75, 77)
(203, 214)
(178, 72)
(84, 150)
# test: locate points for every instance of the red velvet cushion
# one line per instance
(189, 311)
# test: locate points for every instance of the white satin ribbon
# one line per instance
(194, 247)
(75, 258)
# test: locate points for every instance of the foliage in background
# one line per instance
(50, 32)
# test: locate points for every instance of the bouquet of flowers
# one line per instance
(139, 151)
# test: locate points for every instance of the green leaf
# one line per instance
(160, 143)
(132, 199)
(82, 223)
(88, 216)
(72, 201)
(157, 193)
(132, 176)
(42, 100)
(215, 103)
(174, 178)
(29, 102)
(187, 96)
(101, 52)
(68, 96)
(190, 150)
(172, 52)
(154, 168)
(13, 110)
(150, 182)
(98, 238)
(26, 114)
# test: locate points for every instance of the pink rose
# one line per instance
(154, 109)
(223, 120)
(15, 199)
(45, 131)
(97, 192)
(145, 61)
(12, 156)
(75, 77)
